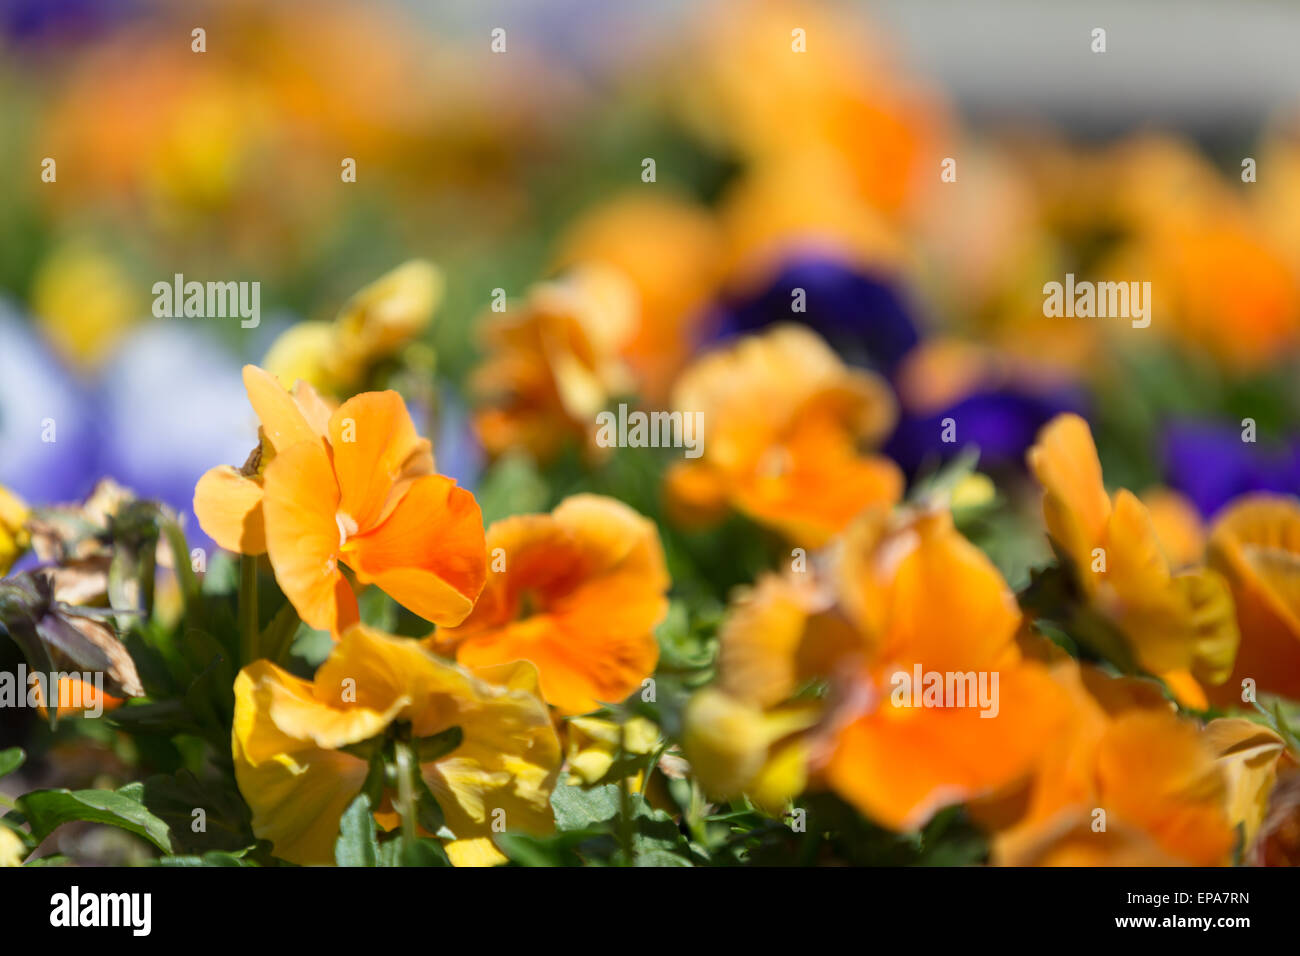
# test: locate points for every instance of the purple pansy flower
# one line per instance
(863, 315)
(48, 442)
(866, 318)
(1211, 464)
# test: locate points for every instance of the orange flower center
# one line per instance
(347, 527)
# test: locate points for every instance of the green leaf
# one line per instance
(11, 760)
(211, 858)
(424, 852)
(656, 839)
(46, 810)
(378, 610)
(227, 824)
(950, 839)
(1053, 598)
(437, 746)
(13, 823)
(512, 486)
(526, 849)
(310, 647)
(579, 808)
(658, 857)
(356, 844)
(428, 812)
(390, 850)
(277, 637)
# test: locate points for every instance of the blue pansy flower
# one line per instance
(48, 442)
(863, 315)
(171, 403)
(1211, 464)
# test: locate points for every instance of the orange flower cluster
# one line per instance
(566, 618)
(896, 670)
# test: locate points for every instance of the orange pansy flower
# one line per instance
(783, 420)
(1127, 782)
(1179, 626)
(555, 363)
(899, 595)
(925, 600)
(749, 88)
(1178, 526)
(228, 500)
(1226, 279)
(359, 491)
(578, 592)
(670, 249)
(1233, 294)
(1255, 544)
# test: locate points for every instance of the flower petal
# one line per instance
(1255, 544)
(283, 421)
(949, 607)
(1156, 771)
(377, 452)
(429, 554)
(1075, 504)
(509, 756)
(229, 508)
(1248, 753)
(595, 571)
(301, 500)
(901, 765)
(296, 789)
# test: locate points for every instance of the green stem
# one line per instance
(248, 633)
(624, 810)
(146, 575)
(1279, 725)
(181, 562)
(655, 757)
(406, 790)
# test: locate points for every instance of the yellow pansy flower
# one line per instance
(1255, 545)
(1248, 754)
(85, 302)
(595, 743)
(387, 314)
(291, 741)
(303, 353)
(14, 538)
(12, 849)
(735, 746)
(374, 324)
(1178, 624)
